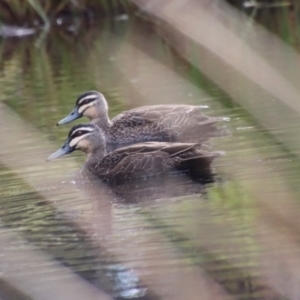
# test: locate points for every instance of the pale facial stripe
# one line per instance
(83, 128)
(87, 98)
(82, 108)
(76, 140)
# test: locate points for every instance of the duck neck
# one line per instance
(103, 122)
(94, 158)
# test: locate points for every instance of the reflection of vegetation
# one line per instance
(42, 83)
(235, 199)
(204, 232)
(24, 11)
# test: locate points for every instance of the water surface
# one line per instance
(162, 238)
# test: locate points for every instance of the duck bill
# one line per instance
(65, 149)
(71, 117)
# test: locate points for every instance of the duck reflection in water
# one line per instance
(163, 123)
(159, 189)
(135, 161)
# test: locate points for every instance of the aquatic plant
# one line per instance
(36, 12)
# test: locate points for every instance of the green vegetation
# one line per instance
(35, 12)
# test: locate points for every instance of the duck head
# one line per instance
(91, 104)
(85, 137)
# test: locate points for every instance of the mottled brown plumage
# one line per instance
(169, 123)
(139, 160)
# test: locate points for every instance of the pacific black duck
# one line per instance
(168, 123)
(139, 160)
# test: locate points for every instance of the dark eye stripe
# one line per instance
(86, 101)
(80, 133)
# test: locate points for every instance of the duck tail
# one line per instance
(198, 165)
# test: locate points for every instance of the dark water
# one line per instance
(162, 238)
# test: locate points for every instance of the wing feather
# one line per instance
(161, 123)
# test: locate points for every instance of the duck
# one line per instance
(134, 161)
(161, 123)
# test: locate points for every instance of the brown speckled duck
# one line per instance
(168, 123)
(139, 160)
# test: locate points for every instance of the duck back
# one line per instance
(169, 123)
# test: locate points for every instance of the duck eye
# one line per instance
(78, 133)
(86, 101)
